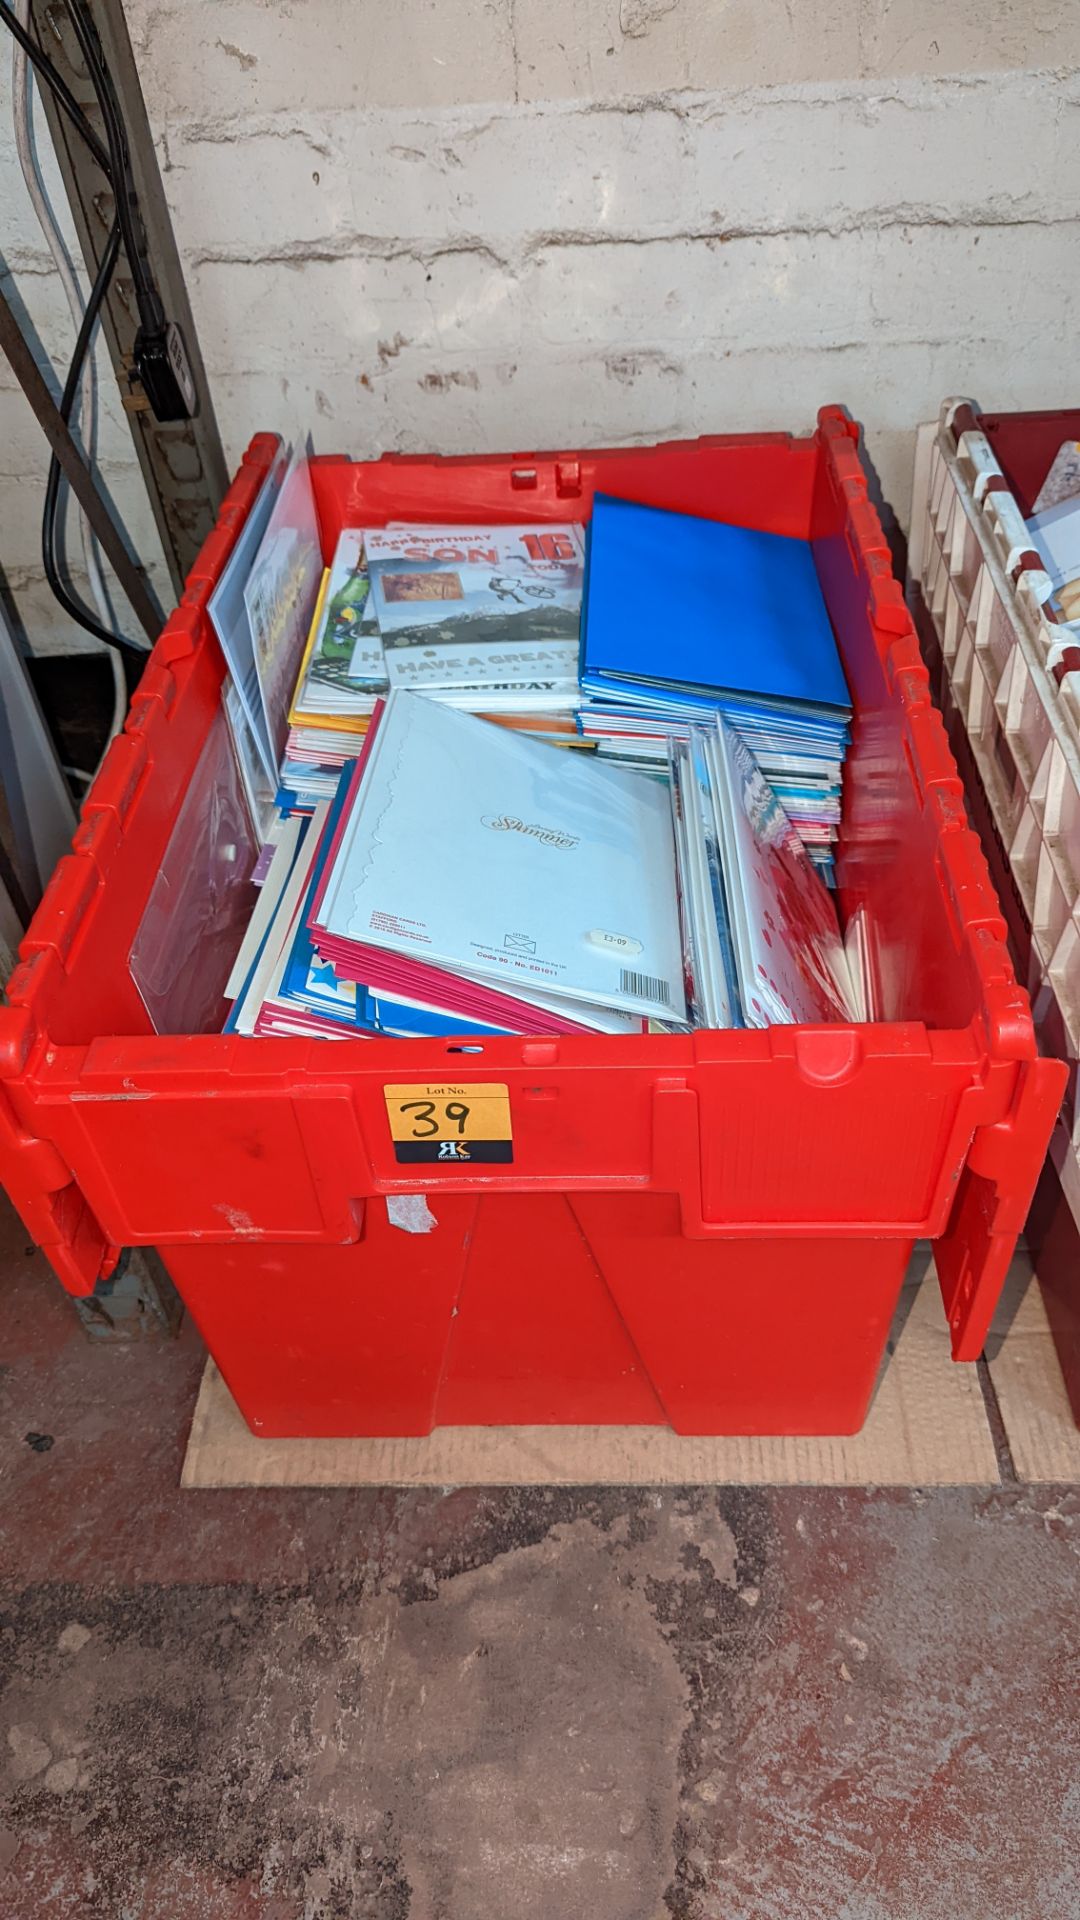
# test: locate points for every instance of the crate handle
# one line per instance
(994, 1193)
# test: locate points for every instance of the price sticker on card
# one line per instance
(450, 1123)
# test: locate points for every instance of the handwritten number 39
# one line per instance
(426, 1125)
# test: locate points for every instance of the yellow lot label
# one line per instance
(449, 1110)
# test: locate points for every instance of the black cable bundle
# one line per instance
(114, 163)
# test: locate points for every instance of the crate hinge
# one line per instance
(994, 1193)
(54, 1210)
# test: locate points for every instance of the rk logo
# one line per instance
(453, 1150)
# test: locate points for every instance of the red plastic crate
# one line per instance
(709, 1230)
(1025, 444)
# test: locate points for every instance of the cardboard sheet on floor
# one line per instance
(926, 1427)
(1043, 1437)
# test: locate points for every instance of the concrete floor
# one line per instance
(596, 1705)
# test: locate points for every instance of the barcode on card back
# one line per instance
(644, 986)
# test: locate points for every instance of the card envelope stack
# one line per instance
(486, 619)
(761, 940)
(467, 879)
(684, 618)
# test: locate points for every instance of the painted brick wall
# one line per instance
(455, 224)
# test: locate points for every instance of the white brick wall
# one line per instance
(457, 224)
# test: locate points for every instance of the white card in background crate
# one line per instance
(790, 957)
(1056, 534)
(1063, 480)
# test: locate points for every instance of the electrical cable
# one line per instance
(114, 158)
(151, 311)
(26, 148)
(160, 354)
(58, 84)
(116, 644)
(161, 360)
(52, 487)
(114, 161)
(19, 28)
